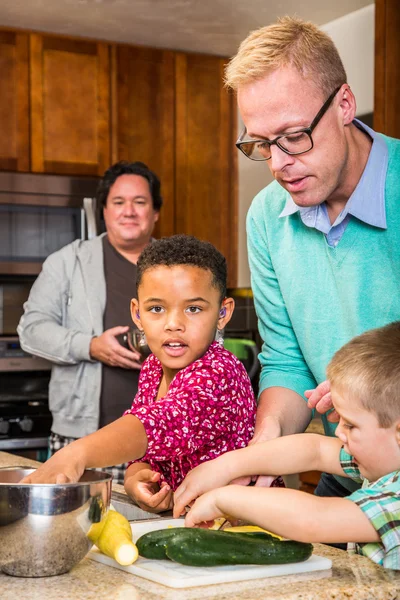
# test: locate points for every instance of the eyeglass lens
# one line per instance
(293, 144)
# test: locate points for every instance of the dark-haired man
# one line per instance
(80, 304)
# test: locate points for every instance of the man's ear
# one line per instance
(225, 313)
(135, 313)
(348, 105)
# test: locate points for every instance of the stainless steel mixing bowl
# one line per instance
(43, 527)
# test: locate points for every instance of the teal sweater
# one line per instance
(311, 298)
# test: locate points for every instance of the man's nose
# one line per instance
(279, 159)
(129, 208)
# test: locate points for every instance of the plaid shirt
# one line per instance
(380, 502)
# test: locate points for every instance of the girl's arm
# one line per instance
(123, 440)
(289, 513)
(281, 456)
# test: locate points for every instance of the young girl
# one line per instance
(194, 401)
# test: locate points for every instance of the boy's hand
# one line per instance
(204, 510)
(149, 495)
(207, 476)
(65, 466)
(320, 399)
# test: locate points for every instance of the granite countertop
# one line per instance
(351, 578)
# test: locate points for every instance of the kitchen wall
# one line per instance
(354, 36)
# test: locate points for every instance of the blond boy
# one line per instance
(365, 384)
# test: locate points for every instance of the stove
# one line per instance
(25, 418)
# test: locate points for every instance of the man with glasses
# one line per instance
(324, 237)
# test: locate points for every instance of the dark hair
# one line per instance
(184, 250)
(124, 167)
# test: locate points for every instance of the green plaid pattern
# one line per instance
(380, 502)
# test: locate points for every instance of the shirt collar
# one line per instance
(367, 202)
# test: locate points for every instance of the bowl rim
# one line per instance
(104, 477)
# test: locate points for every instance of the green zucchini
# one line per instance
(205, 548)
(154, 543)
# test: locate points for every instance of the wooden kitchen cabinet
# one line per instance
(309, 481)
(143, 118)
(69, 105)
(75, 106)
(205, 155)
(387, 74)
(171, 111)
(14, 101)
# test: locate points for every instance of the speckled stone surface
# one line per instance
(351, 578)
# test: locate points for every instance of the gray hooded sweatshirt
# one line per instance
(62, 314)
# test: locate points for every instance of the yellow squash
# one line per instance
(113, 537)
(250, 529)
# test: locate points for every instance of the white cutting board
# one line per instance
(175, 575)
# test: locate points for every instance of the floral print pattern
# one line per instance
(209, 409)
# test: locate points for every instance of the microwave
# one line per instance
(40, 214)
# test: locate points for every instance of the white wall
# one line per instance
(353, 35)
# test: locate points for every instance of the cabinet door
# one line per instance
(205, 158)
(387, 74)
(14, 101)
(143, 117)
(70, 105)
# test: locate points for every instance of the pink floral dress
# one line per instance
(209, 409)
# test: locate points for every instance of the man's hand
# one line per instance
(149, 495)
(320, 399)
(65, 466)
(109, 351)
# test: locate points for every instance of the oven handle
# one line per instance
(23, 443)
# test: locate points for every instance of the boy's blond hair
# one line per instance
(368, 369)
(288, 42)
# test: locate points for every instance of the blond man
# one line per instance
(324, 237)
(365, 383)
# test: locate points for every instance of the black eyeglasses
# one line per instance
(297, 142)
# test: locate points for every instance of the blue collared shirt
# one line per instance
(366, 203)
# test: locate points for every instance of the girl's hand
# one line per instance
(204, 510)
(149, 495)
(65, 466)
(207, 476)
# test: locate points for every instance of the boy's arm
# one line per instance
(289, 513)
(123, 440)
(282, 456)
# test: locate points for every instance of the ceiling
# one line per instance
(208, 26)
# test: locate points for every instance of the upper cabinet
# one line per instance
(75, 106)
(143, 118)
(14, 101)
(387, 75)
(171, 111)
(70, 105)
(205, 155)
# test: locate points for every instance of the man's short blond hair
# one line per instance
(368, 369)
(288, 42)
